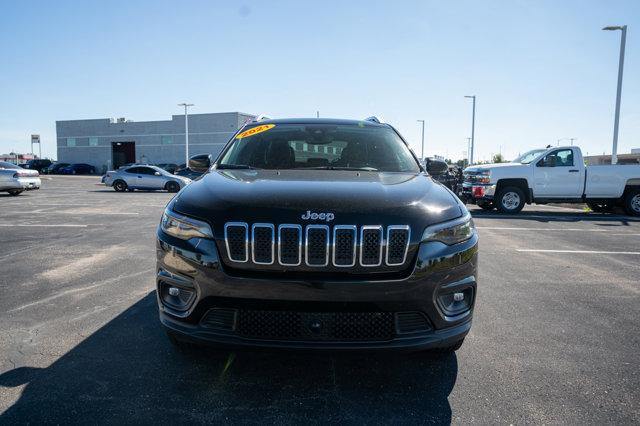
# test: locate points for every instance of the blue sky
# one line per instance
(542, 70)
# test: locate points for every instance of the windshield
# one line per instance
(529, 156)
(319, 146)
(5, 165)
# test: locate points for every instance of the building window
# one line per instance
(71, 141)
(93, 141)
(166, 140)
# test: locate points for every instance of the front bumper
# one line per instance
(438, 270)
(472, 193)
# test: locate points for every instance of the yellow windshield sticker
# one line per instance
(255, 130)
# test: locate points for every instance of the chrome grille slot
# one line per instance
(371, 245)
(236, 236)
(262, 243)
(344, 245)
(317, 245)
(398, 237)
(289, 245)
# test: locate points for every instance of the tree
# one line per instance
(497, 158)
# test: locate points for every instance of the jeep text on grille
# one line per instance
(317, 233)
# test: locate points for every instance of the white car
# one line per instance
(552, 175)
(144, 177)
(14, 179)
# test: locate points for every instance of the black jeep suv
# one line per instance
(317, 233)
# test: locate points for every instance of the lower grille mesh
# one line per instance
(335, 326)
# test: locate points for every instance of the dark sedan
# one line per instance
(78, 169)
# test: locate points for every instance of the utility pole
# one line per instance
(317, 114)
(422, 155)
(473, 127)
(186, 133)
(623, 40)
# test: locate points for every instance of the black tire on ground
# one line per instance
(15, 192)
(486, 205)
(172, 186)
(120, 186)
(601, 207)
(510, 200)
(632, 202)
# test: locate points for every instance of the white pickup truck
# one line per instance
(552, 175)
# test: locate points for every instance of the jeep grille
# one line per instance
(317, 245)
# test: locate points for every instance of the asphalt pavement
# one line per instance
(555, 337)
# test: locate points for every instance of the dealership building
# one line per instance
(108, 143)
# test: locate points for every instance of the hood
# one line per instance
(480, 167)
(284, 196)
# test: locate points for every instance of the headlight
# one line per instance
(184, 227)
(453, 232)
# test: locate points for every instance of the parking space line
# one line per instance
(517, 228)
(577, 251)
(6, 225)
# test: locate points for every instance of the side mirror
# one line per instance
(436, 167)
(200, 163)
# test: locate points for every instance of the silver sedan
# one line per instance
(144, 177)
(15, 179)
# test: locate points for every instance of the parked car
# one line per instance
(144, 177)
(317, 234)
(552, 175)
(439, 170)
(78, 169)
(37, 164)
(170, 167)
(14, 179)
(55, 168)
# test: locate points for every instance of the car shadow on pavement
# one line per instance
(128, 372)
(545, 216)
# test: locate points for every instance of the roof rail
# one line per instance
(373, 119)
(260, 118)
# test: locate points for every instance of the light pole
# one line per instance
(567, 139)
(186, 133)
(473, 127)
(468, 150)
(623, 40)
(422, 155)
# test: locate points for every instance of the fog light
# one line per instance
(178, 298)
(457, 302)
(174, 291)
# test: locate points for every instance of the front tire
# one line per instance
(120, 186)
(172, 186)
(15, 192)
(632, 203)
(510, 200)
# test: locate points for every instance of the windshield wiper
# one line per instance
(235, 166)
(356, 169)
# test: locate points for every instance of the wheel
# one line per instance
(486, 205)
(120, 186)
(632, 202)
(172, 186)
(601, 207)
(510, 200)
(15, 192)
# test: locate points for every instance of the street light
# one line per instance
(623, 39)
(473, 127)
(186, 132)
(422, 156)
